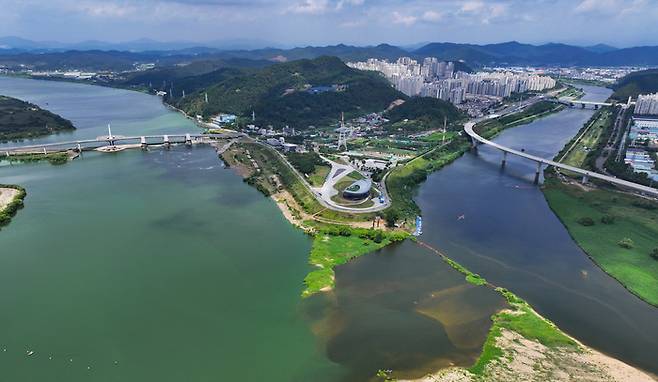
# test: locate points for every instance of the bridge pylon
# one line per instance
(537, 172)
(142, 143)
(166, 141)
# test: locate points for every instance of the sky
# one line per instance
(620, 23)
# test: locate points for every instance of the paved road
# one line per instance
(331, 205)
(468, 128)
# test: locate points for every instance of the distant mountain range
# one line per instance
(515, 53)
(18, 44)
(90, 55)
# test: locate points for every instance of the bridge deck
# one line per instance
(74, 144)
(469, 128)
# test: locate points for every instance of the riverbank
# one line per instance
(618, 232)
(11, 200)
(524, 345)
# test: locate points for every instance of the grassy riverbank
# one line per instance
(600, 221)
(523, 320)
(52, 158)
(492, 127)
(11, 200)
(582, 150)
(403, 181)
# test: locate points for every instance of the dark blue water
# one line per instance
(512, 238)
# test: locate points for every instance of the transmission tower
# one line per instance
(342, 133)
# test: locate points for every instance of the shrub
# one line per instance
(654, 254)
(586, 221)
(345, 231)
(379, 237)
(626, 243)
(608, 219)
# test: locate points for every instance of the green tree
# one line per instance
(391, 215)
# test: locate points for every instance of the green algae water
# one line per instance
(151, 266)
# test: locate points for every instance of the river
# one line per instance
(162, 265)
(147, 266)
(512, 238)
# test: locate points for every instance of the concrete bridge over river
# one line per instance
(586, 174)
(116, 141)
(575, 103)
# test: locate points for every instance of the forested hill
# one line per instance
(20, 119)
(297, 93)
(425, 113)
(642, 82)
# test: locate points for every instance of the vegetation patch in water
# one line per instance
(335, 245)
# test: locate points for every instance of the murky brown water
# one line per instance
(404, 309)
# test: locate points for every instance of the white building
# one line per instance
(647, 104)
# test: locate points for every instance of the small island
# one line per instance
(21, 120)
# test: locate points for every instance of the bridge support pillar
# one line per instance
(537, 172)
(502, 164)
(596, 107)
(166, 141)
(582, 105)
(585, 179)
(188, 139)
(45, 152)
(79, 148)
(7, 153)
(142, 143)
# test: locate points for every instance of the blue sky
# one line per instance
(320, 22)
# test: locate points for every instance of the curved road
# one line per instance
(330, 204)
(468, 127)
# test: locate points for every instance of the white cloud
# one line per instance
(398, 18)
(472, 7)
(483, 12)
(107, 9)
(311, 7)
(432, 16)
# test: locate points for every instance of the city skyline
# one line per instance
(324, 22)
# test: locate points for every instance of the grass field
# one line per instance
(316, 179)
(437, 136)
(634, 218)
